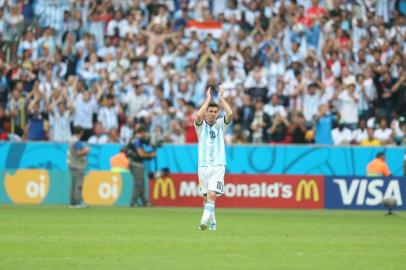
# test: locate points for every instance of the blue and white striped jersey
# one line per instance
(211, 147)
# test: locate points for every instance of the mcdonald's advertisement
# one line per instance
(242, 190)
(39, 186)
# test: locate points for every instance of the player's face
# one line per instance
(212, 113)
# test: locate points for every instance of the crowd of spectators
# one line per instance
(304, 71)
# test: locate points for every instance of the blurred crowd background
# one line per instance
(305, 71)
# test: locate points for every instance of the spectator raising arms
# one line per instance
(288, 67)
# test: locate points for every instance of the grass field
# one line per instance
(44, 237)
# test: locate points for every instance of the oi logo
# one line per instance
(101, 188)
(27, 186)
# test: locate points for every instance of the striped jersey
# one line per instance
(211, 146)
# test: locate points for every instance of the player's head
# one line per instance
(212, 112)
(380, 155)
(140, 130)
(78, 131)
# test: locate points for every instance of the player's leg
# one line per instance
(137, 172)
(204, 173)
(74, 187)
(216, 184)
(76, 199)
(208, 209)
(212, 219)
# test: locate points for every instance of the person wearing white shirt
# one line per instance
(85, 106)
(232, 81)
(232, 10)
(366, 91)
(274, 107)
(252, 13)
(99, 137)
(328, 93)
(348, 100)
(127, 131)
(157, 62)
(311, 103)
(108, 115)
(361, 133)
(256, 79)
(384, 134)
(341, 135)
(59, 122)
(136, 101)
(48, 83)
(276, 68)
(107, 48)
(114, 23)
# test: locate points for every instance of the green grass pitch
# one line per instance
(56, 237)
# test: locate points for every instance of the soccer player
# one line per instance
(212, 155)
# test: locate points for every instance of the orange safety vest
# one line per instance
(119, 161)
(378, 167)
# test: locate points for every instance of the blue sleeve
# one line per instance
(78, 146)
(137, 144)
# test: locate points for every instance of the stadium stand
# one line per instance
(325, 72)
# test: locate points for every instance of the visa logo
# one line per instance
(368, 192)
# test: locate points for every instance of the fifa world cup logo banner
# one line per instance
(27, 186)
(102, 188)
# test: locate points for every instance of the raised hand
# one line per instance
(221, 91)
(208, 94)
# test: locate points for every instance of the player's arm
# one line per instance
(386, 171)
(142, 153)
(224, 104)
(80, 149)
(203, 109)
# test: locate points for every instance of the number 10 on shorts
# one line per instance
(220, 186)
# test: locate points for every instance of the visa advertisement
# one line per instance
(37, 186)
(363, 192)
(243, 191)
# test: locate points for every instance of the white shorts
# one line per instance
(211, 179)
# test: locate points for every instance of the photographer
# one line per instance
(136, 153)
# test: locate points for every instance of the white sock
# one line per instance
(212, 218)
(208, 209)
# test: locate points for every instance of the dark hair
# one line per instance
(77, 130)
(191, 104)
(141, 129)
(380, 154)
(212, 104)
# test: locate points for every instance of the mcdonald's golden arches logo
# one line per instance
(305, 189)
(164, 188)
(27, 186)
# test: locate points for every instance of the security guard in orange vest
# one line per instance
(120, 162)
(378, 166)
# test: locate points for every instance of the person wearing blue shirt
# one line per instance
(324, 126)
(77, 162)
(136, 153)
